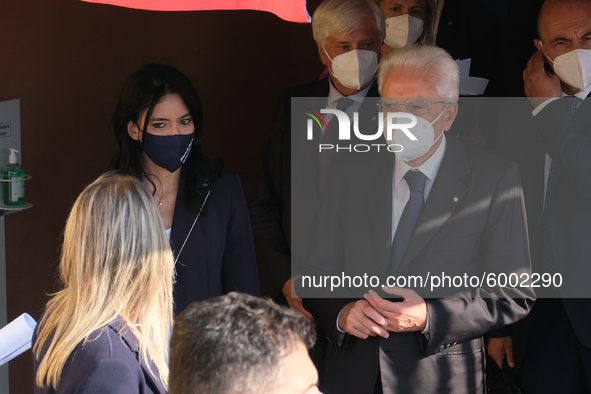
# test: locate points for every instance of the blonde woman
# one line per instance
(408, 22)
(107, 330)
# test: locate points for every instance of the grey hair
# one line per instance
(341, 17)
(432, 60)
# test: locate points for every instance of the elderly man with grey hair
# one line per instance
(431, 206)
(348, 35)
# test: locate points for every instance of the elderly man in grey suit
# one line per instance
(434, 207)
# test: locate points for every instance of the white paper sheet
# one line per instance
(472, 86)
(16, 337)
(464, 66)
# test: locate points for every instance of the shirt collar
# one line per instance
(430, 167)
(334, 94)
(582, 94)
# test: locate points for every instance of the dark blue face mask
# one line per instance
(168, 151)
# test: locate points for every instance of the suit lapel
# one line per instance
(445, 196)
(306, 151)
(321, 90)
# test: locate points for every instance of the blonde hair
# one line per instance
(115, 262)
(428, 35)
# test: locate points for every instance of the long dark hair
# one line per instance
(141, 92)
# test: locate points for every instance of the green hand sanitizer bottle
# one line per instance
(14, 191)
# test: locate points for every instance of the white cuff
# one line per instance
(339, 328)
(425, 332)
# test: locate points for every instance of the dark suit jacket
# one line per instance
(527, 139)
(107, 363)
(272, 206)
(218, 256)
(483, 229)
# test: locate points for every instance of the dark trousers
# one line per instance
(555, 361)
(378, 388)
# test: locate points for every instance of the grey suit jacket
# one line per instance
(473, 222)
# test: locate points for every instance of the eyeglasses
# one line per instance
(416, 107)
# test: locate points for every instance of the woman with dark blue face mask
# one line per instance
(158, 126)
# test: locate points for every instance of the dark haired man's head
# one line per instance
(238, 343)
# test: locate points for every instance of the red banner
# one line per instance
(289, 10)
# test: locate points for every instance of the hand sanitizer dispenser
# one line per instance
(14, 189)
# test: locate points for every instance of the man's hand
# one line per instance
(408, 315)
(361, 320)
(539, 85)
(293, 300)
(498, 348)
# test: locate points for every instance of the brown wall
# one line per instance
(66, 60)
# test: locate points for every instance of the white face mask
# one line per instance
(402, 30)
(573, 68)
(355, 68)
(425, 135)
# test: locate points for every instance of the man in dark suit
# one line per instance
(345, 31)
(435, 207)
(551, 349)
